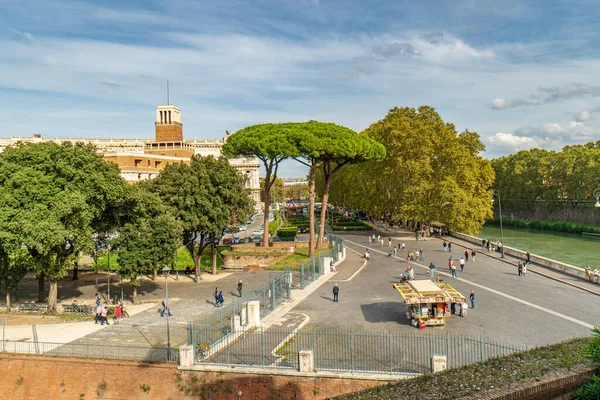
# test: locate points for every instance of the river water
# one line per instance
(570, 248)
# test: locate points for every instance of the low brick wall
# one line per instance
(275, 245)
(241, 260)
(535, 259)
(33, 377)
(557, 385)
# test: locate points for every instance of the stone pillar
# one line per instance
(186, 355)
(243, 316)
(341, 254)
(327, 262)
(254, 313)
(237, 326)
(306, 361)
(438, 363)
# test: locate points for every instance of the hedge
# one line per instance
(352, 228)
(557, 226)
(288, 231)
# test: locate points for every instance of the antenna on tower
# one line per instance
(168, 103)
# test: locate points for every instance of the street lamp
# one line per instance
(597, 195)
(495, 192)
(165, 271)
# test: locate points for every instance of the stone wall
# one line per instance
(33, 377)
(169, 133)
(582, 212)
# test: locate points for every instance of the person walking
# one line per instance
(395, 251)
(98, 312)
(104, 315)
(450, 247)
(98, 300)
(336, 292)
(239, 288)
(367, 255)
(421, 255)
(444, 245)
(166, 309)
(466, 255)
(520, 268)
(117, 317)
(216, 296)
(527, 258)
(472, 298)
(450, 264)
(403, 246)
(370, 240)
(453, 268)
(431, 270)
(483, 242)
(462, 264)
(389, 242)
(525, 269)
(463, 309)
(473, 255)
(220, 299)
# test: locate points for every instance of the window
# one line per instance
(157, 164)
(137, 163)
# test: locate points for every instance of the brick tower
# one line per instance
(168, 124)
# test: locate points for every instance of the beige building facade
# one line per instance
(141, 159)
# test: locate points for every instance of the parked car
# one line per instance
(227, 241)
(236, 240)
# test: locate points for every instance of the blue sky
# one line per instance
(521, 73)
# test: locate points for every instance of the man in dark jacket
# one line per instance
(336, 291)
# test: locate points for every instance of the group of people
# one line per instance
(102, 312)
(591, 275)
(486, 244)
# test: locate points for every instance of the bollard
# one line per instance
(438, 363)
(186, 355)
(306, 361)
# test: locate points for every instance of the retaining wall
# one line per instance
(535, 259)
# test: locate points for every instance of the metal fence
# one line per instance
(215, 326)
(95, 351)
(353, 352)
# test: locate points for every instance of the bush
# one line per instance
(352, 228)
(557, 226)
(288, 231)
(591, 390)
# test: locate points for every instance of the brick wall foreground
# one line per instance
(46, 378)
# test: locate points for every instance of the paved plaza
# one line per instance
(528, 310)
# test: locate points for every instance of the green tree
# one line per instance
(430, 173)
(14, 264)
(270, 144)
(296, 191)
(205, 196)
(329, 147)
(53, 197)
(146, 245)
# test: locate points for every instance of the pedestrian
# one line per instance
(525, 269)
(370, 240)
(220, 299)
(98, 313)
(453, 308)
(466, 255)
(332, 266)
(462, 264)
(473, 255)
(588, 273)
(450, 247)
(104, 315)
(373, 237)
(463, 308)
(422, 255)
(453, 269)
(395, 251)
(520, 268)
(367, 255)
(117, 317)
(389, 242)
(403, 246)
(379, 238)
(381, 241)
(444, 245)
(216, 296)
(595, 278)
(336, 291)
(417, 254)
(483, 244)
(98, 300)
(166, 309)
(431, 270)
(417, 236)
(239, 288)
(472, 298)
(527, 258)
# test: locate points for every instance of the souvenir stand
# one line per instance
(429, 303)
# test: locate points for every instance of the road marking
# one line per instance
(508, 296)
(354, 274)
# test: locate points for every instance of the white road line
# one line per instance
(508, 296)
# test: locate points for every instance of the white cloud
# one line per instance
(549, 94)
(501, 104)
(583, 116)
(509, 143)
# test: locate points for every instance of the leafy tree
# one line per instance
(146, 245)
(52, 198)
(270, 144)
(204, 196)
(14, 264)
(296, 191)
(430, 173)
(329, 147)
(277, 190)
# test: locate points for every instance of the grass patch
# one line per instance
(494, 373)
(294, 260)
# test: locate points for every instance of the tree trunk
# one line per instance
(75, 272)
(266, 216)
(53, 295)
(41, 288)
(153, 274)
(311, 210)
(324, 210)
(8, 299)
(214, 259)
(197, 260)
(134, 294)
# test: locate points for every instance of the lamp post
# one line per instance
(495, 192)
(165, 271)
(597, 196)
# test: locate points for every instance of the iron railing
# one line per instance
(353, 352)
(95, 351)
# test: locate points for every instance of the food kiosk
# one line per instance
(429, 303)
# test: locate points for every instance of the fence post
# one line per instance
(302, 276)
(262, 343)
(480, 348)
(390, 352)
(272, 294)
(313, 269)
(351, 355)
